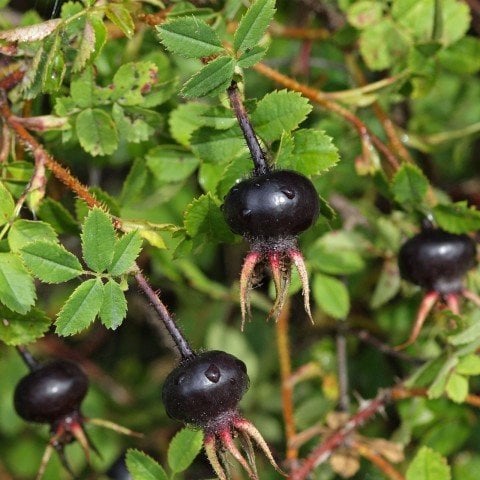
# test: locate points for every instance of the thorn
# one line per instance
(209, 444)
(299, 262)
(426, 306)
(249, 264)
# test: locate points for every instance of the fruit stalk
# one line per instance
(258, 157)
(30, 361)
(177, 336)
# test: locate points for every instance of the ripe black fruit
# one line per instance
(274, 205)
(51, 391)
(437, 260)
(204, 387)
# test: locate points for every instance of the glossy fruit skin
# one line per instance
(437, 260)
(204, 387)
(278, 204)
(51, 391)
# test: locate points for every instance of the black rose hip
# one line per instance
(269, 209)
(204, 390)
(437, 261)
(52, 393)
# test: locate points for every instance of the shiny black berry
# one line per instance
(204, 387)
(51, 391)
(437, 260)
(277, 204)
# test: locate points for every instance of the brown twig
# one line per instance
(283, 346)
(388, 126)
(323, 451)
(371, 455)
(366, 136)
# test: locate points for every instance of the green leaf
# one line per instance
(364, 13)
(253, 25)
(22, 329)
(133, 81)
(216, 146)
(189, 37)
(114, 305)
(121, 17)
(55, 68)
(331, 295)
(251, 56)
(379, 55)
(100, 34)
(7, 205)
(184, 120)
(313, 152)
(143, 467)
(86, 48)
(467, 336)
(417, 18)
(457, 217)
(57, 216)
(81, 89)
(125, 252)
(279, 111)
(469, 365)
(50, 262)
(98, 240)
(428, 465)
(463, 57)
(96, 132)
(81, 308)
(17, 290)
(23, 232)
(171, 164)
(203, 216)
(129, 129)
(213, 78)
(183, 449)
(387, 286)
(409, 186)
(457, 387)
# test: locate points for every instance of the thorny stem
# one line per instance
(179, 340)
(387, 124)
(321, 99)
(382, 464)
(286, 386)
(323, 451)
(258, 157)
(76, 187)
(30, 361)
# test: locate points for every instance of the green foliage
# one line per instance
(98, 240)
(50, 262)
(143, 467)
(183, 449)
(189, 37)
(409, 187)
(428, 465)
(80, 310)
